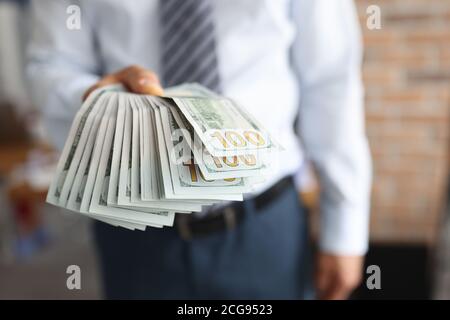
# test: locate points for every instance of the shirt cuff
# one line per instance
(344, 229)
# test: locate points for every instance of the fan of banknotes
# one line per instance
(135, 160)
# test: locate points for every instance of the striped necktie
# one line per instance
(188, 44)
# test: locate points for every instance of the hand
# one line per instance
(134, 78)
(337, 276)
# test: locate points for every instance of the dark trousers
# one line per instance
(266, 256)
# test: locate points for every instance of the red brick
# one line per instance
(407, 85)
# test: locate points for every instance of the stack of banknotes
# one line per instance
(135, 160)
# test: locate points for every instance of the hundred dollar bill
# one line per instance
(225, 128)
(95, 159)
(126, 163)
(91, 126)
(136, 182)
(98, 203)
(73, 141)
(148, 184)
(124, 188)
(130, 168)
(149, 144)
(179, 180)
(79, 182)
(247, 165)
(117, 150)
(186, 177)
(70, 147)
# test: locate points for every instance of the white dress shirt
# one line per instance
(275, 58)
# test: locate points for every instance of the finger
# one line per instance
(321, 281)
(338, 291)
(324, 282)
(326, 292)
(108, 80)
(142, 81)
(342, 286)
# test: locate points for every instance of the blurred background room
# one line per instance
(406, 73)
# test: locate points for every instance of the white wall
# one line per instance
(12, 26)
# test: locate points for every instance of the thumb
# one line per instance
(141, 81)
(324, 279)
(147, 86)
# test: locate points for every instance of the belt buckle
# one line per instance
(183, 228)
(185, 231)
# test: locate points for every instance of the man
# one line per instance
(275, 58)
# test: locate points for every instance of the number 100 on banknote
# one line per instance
(225, 128)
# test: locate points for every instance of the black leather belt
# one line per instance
(228, 217)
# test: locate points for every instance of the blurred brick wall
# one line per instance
(407, 80)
